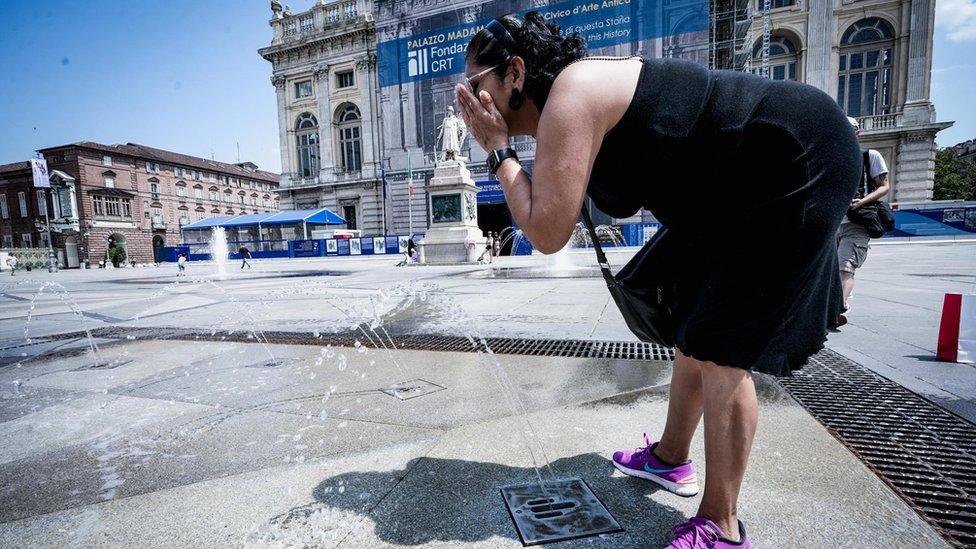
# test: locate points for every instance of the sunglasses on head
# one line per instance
(501, 34)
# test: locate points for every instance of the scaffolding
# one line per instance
(767, 29)
(730, 22)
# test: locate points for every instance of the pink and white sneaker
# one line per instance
(701, 533)
(678, 479)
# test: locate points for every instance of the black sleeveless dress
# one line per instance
(753, 176)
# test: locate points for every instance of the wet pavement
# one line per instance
(177, 442)
(312, 451)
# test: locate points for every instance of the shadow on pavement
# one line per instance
(453, 500)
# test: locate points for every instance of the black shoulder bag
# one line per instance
(876, 217)
(644, 290)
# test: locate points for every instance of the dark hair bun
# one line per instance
(540, 44)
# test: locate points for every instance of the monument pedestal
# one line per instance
(454, 236)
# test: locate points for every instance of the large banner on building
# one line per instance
(435, 47)
(40, 173)
(421, 50)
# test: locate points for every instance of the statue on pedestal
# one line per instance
(276, 9)
(451, 134)
(453, 236)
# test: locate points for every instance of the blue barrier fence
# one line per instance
(263, 249)
(930, 219)
(935, 220)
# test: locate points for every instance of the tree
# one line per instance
(116, 255)
(954, 178)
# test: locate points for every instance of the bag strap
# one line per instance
(866, 179)
(601, 258)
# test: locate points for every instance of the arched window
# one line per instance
(782, 58)
(307, 134)
(350, 142)
(866, 51)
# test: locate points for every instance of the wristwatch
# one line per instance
(496, 157)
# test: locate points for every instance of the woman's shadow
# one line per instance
(453, 500)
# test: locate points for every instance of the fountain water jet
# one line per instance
(218, 250)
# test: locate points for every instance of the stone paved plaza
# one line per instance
(217, 438)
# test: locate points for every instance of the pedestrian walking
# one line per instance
(853, 241)
(632, 133)
(410, 254)
(181, 265)
(496, 247)
(245, 255)
(12, 263)
(489, 247)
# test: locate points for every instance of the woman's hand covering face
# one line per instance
(482, 118)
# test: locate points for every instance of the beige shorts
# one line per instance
(853, 243)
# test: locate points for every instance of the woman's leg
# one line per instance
(731, 414)
(684, 410)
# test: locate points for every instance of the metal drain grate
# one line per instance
(924, 453)
(107, 366)
(412, 389)
(275, 363)
(626, 350)
(565, 510)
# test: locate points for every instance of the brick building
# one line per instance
(137, 197)
(21, 207)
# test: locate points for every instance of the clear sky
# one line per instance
(179, 75)
(954, 69)
(186, 76)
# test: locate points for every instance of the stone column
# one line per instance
(74, 201)
(322, 91)
(364, 67)
(820, 43)
(371, 202)
(286, 166)
(919, 61)
(918, 109)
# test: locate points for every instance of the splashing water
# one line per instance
(218, 250)
(65, 297)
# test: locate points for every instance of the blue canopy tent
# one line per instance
(261, 227)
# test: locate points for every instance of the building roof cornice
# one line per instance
(310, 44)
(152, 154)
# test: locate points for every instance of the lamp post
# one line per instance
(84, 237)
(52, 262)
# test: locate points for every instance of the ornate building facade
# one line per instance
(350, 145)
(875, 58)
(324, 73)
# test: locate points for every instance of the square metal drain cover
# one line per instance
(269, 363)
(566, 509)
(412, 389)
(103, 366)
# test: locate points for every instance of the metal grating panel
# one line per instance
(412, 389)
(275, 363)
(562, 510)
(924, 453)
(626, 350)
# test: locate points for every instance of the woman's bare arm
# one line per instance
(568, 139)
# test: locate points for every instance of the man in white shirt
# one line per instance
(853, 241)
